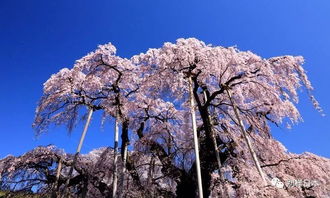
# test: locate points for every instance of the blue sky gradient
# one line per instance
(38, 38)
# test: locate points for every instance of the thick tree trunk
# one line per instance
(82, 138)
(185, 188)
(193, 119)
(208, 164)
(247, 139)
(124, 146)
(216, 150)
(208, 161)
(115, 173)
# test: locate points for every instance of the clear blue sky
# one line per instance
(37, 38)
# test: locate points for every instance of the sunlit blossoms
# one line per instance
(149, 95)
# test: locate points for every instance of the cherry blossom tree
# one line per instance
(238, 95)
(64, 94)
(102, 81)
(216, 69)
(114, 86)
